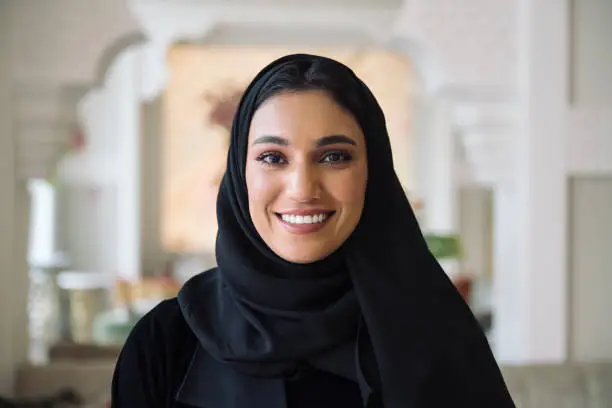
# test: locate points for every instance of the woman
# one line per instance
(325, 293)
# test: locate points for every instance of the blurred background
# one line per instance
(114, 125)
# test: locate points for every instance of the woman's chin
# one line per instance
(301, 255)
(302, 258)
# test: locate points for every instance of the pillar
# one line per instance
(541, 275)
(435, 167)
(487, 131)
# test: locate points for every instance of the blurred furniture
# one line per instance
(89, 296)
(47, 308)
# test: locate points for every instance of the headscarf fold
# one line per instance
(379, 310)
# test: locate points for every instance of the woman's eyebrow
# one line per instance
(335, 139)
(271, 139)
(324, 141)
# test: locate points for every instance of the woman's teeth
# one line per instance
(304, 219)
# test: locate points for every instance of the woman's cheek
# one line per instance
(349, 187)
(262, 187)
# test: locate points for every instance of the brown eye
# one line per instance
(336, 157)
(271, 158)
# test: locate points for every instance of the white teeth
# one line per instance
(304, 219)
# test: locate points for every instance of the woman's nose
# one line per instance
(304, 184)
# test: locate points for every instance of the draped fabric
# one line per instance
(379, 310)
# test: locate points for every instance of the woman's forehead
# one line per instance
(301, 116)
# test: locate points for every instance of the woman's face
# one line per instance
(306, 174)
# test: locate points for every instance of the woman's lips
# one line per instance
(304, 221)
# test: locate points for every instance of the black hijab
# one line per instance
(380, 310)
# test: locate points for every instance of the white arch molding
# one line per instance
(358, 27)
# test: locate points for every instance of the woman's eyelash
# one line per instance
(336, 156)
(271, 158)
(329, 157)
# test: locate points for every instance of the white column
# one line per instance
(440, 193)
(488, 132)
(508, 297)
(435, 171)
(128, 161)
(42, 240)
(540, 285)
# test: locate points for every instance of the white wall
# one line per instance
(473, 43)
(592, 52)
(47, 34)
(13, 223)
(6, 203)
(589, 161)
(591, 269)
(589, 120)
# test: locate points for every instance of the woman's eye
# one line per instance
(336, 157)
(271, 158)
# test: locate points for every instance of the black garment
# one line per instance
(379, 311)
(154, 360)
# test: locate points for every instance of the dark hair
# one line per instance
(329, 76)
